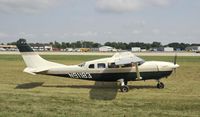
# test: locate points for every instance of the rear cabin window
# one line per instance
(101, 65)
(91, 66)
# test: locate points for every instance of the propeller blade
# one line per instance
(175, 58)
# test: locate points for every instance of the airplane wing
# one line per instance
(126, 58)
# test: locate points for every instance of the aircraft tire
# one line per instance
(124, 88)
(160, 85)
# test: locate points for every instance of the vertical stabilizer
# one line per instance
(32, 59)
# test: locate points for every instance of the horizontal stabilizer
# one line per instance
(33, 71)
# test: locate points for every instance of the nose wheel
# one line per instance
(160, 85)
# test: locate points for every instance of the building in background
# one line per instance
(85, 49)
(153, 49)
(41, 47)
(143, 50)
(2, 49)
(166, 49)
(136, 49)
(69, 49)
(8, 48)
(193, 48)
(107, 49)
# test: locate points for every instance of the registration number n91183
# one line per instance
(83, 75)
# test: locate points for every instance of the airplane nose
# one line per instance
(175, 66)
(162, 66)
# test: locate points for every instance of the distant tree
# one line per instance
(96, 45)
(139, 44)
(51, 43)
(12, 43)
(182, 46)
(63, 45)
(68, 45)
(73, 45)
(195, 44)
(87, 44)
(117, 45)
(174, 45)
(148, 46)
(177, 45)
(156, 45)
(78, 44)
(57, 45)
(107, 44)
(122, 45)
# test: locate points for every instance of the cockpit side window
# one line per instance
(112, 65)
(91, 66)
(101, 65)
(128, 65)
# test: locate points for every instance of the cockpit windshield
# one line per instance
(81, 65)
(140, 60)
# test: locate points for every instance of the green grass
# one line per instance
(26, 95)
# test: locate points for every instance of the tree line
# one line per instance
(117, 45)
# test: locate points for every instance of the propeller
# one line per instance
(175, 59)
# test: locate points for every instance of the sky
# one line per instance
(100, 21)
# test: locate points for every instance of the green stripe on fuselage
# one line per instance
(129, 76)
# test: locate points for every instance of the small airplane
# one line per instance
(121, 67)
(2, 49)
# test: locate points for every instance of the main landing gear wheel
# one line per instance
(160, 85)
(124, 88)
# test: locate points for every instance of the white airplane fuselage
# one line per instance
(148, 70)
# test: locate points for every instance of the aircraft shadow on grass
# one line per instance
(29, 85)
(99, 91)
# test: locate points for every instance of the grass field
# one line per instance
(22, 94)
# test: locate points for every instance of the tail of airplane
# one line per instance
(33, 61)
